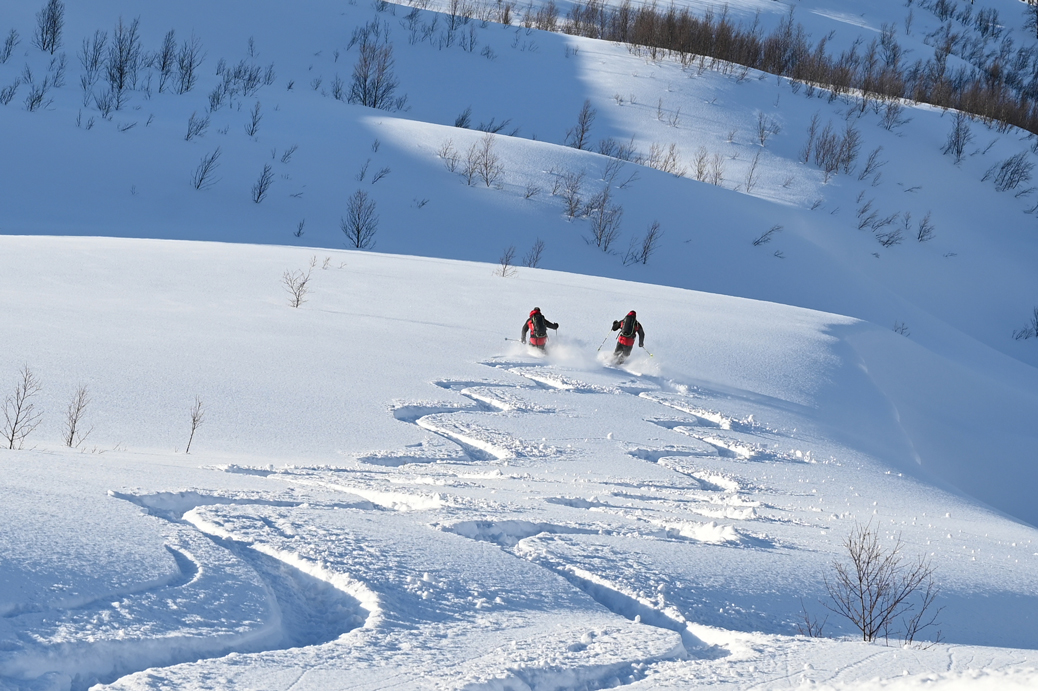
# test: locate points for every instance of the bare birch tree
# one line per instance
(197, 418)
(20, 414)
(74, 435)
(361, 221)
(879, 590)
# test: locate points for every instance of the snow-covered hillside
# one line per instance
(131, 175)
(384, 492)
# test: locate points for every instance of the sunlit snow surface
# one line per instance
(385, 493)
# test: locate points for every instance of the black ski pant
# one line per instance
(622, 352)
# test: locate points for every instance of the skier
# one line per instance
(628, 327)
(537, 326)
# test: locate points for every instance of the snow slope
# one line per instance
(968, 288)
(384, 493)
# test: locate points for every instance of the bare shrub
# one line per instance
(494, 127)
(808, 624)
(889, 238)
(361, 222)
(362, 173)
(483, 163)
(203, 177)
(546, 17)
(925, 230)
(197, 418)
(506, 268)
(827, 151)
(49, 23)
(765, 237)
(605, 219)
(252, 126)
(812, 133)
(640, 249)
(7, 49)
(464, 119)
(189, 59)
(262, 184)
(7, 93)
(1011, 173)
(104, 103)
(1029, 331)
(74, 435)
(533, 256)
(374, 82)
(612, 170)
(893, 115)
(850, 145)
(572, 192)
(297, 283)
(196, 126)
(623, 152)
(959, 137)
(165, 60)
(380, 173)
(338, 88)
(753, 175)
(665, 159)
(579, 135)
(125, 58)
(716, 174)
(766, 127)
(872, 164)
(879, 591)
(700, 163)
(37, 96)
(449, 154)
(20, 414)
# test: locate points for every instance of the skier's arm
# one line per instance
(616, 325)
(526, 328)
(641, 335)
(551, 325)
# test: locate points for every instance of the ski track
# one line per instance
(311, 609)
(717, 495)
(294, 603)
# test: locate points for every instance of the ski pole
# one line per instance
(604, 340)
(513, 339)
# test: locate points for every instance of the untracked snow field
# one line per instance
(386, 493)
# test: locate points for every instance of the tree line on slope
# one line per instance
(1004, 88)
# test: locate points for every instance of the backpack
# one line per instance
(537, 321)
(627, 329)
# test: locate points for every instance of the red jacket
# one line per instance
(629, 340)
(531, 328)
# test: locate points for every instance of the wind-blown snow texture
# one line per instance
(385, 493)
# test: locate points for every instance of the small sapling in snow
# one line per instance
(73, 434)
(881, 591)
(197, 418)
(297, 284)
(21, 416)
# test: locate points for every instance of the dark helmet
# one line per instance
(535, 310)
